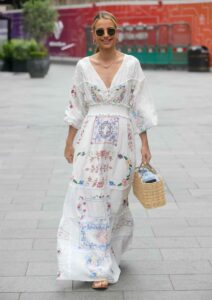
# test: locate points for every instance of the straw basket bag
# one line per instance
(151, 195)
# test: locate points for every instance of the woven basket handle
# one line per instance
(149, 167)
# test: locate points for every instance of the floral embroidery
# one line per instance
(99, 183)
(115, 96)
(99, 165)
(58, 251)
(70, 104)
(107, 155)
(131, 94)
(81, 153)
(125, 180)
(78, 181)
(125, 202)
(74, 95)
(97, 263)
(105, 130)
(122, 92)
(74, 91)
(98, 206)
(98, 169)
(130, 137)
(95, 235)
(103, 158)
(95, 93)
(139, 120)
(82, 130)
(94, 182)
(82, 207)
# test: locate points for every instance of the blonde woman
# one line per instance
(108, 105)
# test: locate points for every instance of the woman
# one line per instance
(109, 104)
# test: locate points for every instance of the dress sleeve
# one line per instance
(76, 109)
(143, 108)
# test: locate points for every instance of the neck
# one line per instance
(107, 54)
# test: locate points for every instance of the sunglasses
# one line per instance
(110, 31)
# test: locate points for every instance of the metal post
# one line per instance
(9, 23)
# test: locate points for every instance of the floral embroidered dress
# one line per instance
(96, 226)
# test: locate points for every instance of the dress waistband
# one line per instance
(108, 109)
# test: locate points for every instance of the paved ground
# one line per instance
(171, 257)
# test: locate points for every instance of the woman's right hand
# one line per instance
(69, 152)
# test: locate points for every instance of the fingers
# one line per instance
(69, 158)
(146, 158)
(69, 154)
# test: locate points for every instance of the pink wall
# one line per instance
(198, 15)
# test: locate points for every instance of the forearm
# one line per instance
(144, 139)
(145, 151)
(71, 134)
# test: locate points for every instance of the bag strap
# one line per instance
(148, 166)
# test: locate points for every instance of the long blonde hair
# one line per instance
(103, 15)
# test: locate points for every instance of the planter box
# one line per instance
(19, 66)
(7, 65)
(1, 64)
(38, 67)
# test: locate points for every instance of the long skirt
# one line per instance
(96, 226)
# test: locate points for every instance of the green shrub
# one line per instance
(38, 54)
(20, 49)
(7, 50)
(1, 53)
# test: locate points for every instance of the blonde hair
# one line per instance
(103, 15)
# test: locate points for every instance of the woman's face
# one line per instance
(105, 41)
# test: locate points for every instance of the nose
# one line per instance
(105, 33)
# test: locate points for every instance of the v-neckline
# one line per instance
(116, 74)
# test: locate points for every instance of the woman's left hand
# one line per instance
(145, 154)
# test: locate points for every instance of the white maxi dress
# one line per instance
(96, 226)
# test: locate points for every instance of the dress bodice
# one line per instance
(128, 88)
(118, 95)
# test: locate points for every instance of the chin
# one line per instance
(108, 47)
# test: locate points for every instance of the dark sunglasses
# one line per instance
(110, 31)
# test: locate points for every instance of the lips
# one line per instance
(106, 41)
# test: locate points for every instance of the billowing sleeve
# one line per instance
(143, 109)
(76, 109)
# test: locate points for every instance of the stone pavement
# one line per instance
(171, 257)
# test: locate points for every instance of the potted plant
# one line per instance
(7, 56)
(16, 53)
(39, 18)
(38, 63)
(20, 54)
